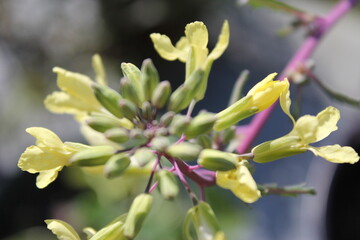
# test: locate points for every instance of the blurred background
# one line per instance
(36, 35)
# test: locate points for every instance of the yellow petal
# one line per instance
(336, 153)
(62, 230)
(61, 102)
(36, 159)
(99, 69)
(222, 43)
(46, 177)
(306, 128)
(285, 101)
(197, 34)
(327, 120)
(226, 179)
(262, 85)
(46, 138)
(183, 46)
(76, 85)
(164, 47)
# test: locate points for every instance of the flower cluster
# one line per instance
(142, 127)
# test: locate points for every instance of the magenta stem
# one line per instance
(322, 25)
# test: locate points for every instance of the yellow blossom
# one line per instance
(48, 156)
(192, 49)
(240, 182)
(260, 97)
(307, 129)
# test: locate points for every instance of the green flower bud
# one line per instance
(201, 124)
(129, 91)
(143, 156)
(229, 134)
(184, 150)
(179, 99)
(93, 156)
(279, 148)
(204, 141)
(149, 78)
(136, 138)
(102, 122)
(166, 119)
(118, 135)
(147, 111)
(128, 108)
(168, 186)
(161, 94)
(139, 209)
(160, 143)
(179, 125)
(217, 160)
(113, 231)
(116, 165)
(133, 73)
(108, 98)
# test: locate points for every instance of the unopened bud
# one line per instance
(118, 135)
(143, 156)
(133, 73)
(166, 119)
(113, 230)
(161, 94)
(139, 209)
(168, 186)
(108, 98)
(204, 141)
(136, 138)
(149, 78)
(101, 123)
(217, 160)
(116, 165)
(179, 124)
(229, 134)
(129, 91)
(201, 124)
(184, 150)
(180, 99)
(160, 143)
(93, 156)
(146, 111)
(128, 108)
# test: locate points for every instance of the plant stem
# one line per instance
(322, 26)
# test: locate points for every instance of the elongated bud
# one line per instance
(185, 151)
(133, 73)
(128, 108)
(136, 138)
(166, 119)
(217, 160)
(276, 149)
(180, 99)
(143, 156)
(149, 78)
(201, 124)
(112, 231)
(99, 69)
(108, 98)
(93, 156)
(116, 165)
(101, 123)
(147, 111)
(204, 141)
(194, 81)
(161, 94)
(129, 91)
(160, 143)
(229, 134)
(139, 209)
(118, 135)
(168, 186)
(179, 125)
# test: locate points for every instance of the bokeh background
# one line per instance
(36, 35)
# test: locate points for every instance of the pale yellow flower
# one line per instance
(260, 97)
(240, 182)
(307, 129)
(192, 49)
(48, 156)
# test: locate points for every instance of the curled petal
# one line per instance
(62, 230)
(164, 47)
(46, 177)
(306, 128)
(246, 190)
(336, 153)
(327, 120)
(45, 138)
(222, 43)
(285, 101)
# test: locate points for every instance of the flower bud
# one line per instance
(229, 134)
(113, 231)
(201, 124)
(129, 92)
(133, 74)
(179, 99)
(116, 165)
(160, 143)
(166, 119)
(179, 124)
(279, 148)
(184, 150)
(217, 160)
(161, 94)
(128, 108)
(169, 188)
(136, 138)
(108, 98)
(143, 156)
(204, 141)
(149, 78)
(146, 111)
(118, 135)
(93, 156)
(139, 209)
(102, 122)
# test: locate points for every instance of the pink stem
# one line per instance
(323, 25)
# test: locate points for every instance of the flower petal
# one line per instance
(197, 34)
(46, 177)
(327, 120)
(263, 84)
(306, 128)
(336, 153)
(62, 230)
(164, 47)
(222, 43)
(46, 138)
(183, 46)
(285, 101)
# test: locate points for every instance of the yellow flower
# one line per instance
(240, 182)
(48, 156)
(192, 49)
(260, 97)
(307, 129)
